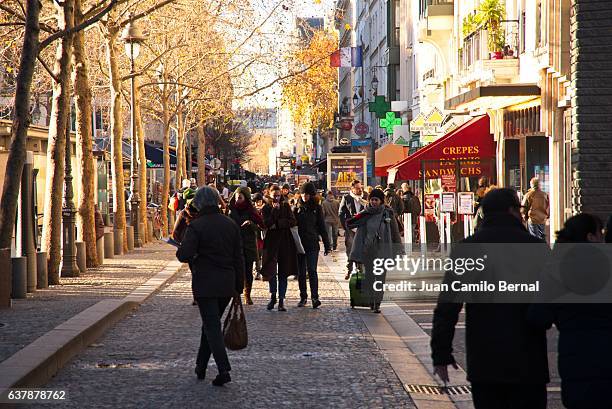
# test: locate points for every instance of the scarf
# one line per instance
(358, 201)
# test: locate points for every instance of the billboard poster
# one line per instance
(431, 207)
(342, 169)
(466, 203)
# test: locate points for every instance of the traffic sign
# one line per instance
(344, 142)
(362, 129)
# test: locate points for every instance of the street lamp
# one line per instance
(132, 37)
(375, 84)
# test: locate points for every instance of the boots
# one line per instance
(247, 296)
(302, 302)
(281, 305)
(271, 303)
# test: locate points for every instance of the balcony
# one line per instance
(478, 64)
(436, 15)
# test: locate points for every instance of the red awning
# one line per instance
(471, 141)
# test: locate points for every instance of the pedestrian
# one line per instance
(213, 247)
(506, 357)
(311, 225)
(286, 192)
(242, 211)
(258, 202)
(481, 190)
(536, 209)
(395, 203)
(331, 207)
(351, 205)
(225, 193)
(412, 206)
(99, 223)
(183, 193)
(377, 231)
(585, 330)
(280, 252)
(479, 217)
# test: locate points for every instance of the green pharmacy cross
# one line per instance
(389, 122)
(380, 106)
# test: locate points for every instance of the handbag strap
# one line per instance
(229, 313)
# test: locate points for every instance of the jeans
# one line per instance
(332, 233)
(211, 311)
(536, 230)
(281, 284)
(308, 262)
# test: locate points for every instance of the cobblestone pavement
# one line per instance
(300, 358)
(44, 309)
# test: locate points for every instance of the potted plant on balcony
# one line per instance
(490, 15)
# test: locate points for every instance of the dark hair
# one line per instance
(576, 228)
(500, 201)
(274, 188)
(355, 182)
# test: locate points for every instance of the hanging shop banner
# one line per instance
(448, 202)
(466, 203)
(342, 169)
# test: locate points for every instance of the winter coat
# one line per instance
(584, 354)
(279, 246)
(185, 217)
(501, 346)
(213, 248)
(250, 232)
(536, 206)
(330, 212)
(348, 209)
(412, 205)
(394, 201)
(311, 225)
(377, 231)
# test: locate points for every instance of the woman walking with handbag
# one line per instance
(212, 246)
(377, 231)
(280, 252)
(241, 210)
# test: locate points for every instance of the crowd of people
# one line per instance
(277, 233)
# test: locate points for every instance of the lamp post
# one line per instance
(69, 265)
(132, 37)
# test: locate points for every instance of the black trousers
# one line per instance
(509, 396)
(248, 272)
(308, 263)
(211, 311)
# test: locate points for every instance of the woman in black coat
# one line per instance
(279, 253)
(585, 330)
(241, 210)
(212, 246)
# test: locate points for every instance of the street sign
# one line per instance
(448, 202)
(361, 142)
(344, 142)
(466, 203)
(362, 129)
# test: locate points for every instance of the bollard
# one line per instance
(109, 246)
(5, 278)
(130, 238)
(118, 242)
(19, 267)
(42, 278)
(81, 256)
(100, 250)
(150, 230)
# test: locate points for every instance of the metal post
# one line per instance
(69, 265)
(135, 196)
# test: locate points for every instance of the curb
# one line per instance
(396, 335)
(39, 361)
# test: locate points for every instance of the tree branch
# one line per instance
(46, 67)
(78, 27)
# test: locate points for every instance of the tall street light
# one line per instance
(132, 37)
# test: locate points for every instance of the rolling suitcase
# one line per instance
(359, 297)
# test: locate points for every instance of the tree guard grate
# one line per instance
(438, 390)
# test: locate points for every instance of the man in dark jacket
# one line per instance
(212, 246)
(350, 205)
(311, 225)
(506, 357)
(393, 200)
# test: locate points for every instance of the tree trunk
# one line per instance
(21, 121)
(166, 147)
(116, 132)
(142, 167)
(201, 155)
(52, 221)
(85, 222)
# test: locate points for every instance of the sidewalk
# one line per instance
(45, 309)
(299, 358)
